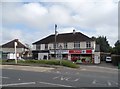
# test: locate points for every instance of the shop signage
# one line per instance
(80, 51)
(59, 51)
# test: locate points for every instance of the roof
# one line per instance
(11, 44)
(65, 37)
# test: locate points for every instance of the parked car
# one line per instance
(108, 59)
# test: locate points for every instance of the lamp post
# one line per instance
(55, 40)
(15, 44)
(60, 47)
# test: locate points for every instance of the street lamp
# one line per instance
(55, 40)
(60, 47)
(15, 44)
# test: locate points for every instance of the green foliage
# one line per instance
(115, 59)
(104, 45)
(69, 64)
(116, 49)
(52, 62)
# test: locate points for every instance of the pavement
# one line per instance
(33, 76)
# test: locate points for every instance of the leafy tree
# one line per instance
(104, 45)
(116, 49)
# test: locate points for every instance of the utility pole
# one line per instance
(15, 44)
(55, 40)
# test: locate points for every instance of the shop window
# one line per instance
(88, 44)
(38, 46)
(46, 46)
(65, 45)
(76, 45)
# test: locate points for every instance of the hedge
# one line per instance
(115, 60)
(52, 62)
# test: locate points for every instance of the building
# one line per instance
(73, 46)
(9, 48)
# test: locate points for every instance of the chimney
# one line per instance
(73, 31)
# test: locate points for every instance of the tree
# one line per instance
(104, 45)
(116, 49)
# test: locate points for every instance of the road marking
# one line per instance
(83, 69)
(56, 77)
(94, 82)
(58, 72)
(109, 83)
(55, 84)
(14, 84)
(76, 80)
(3, 77)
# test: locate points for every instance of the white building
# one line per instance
(70, 46)
(9, 48)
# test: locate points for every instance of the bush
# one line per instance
(69, 64)
(115, 59)
(52, 62)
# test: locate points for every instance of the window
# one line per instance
(88, 44)
(38, 46)
(46, 46)
(76, 45)
(65, 45)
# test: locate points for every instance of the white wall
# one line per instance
(82, 45)
(34, 47)
(42, 46)
(12, 50)
(70, 45)
(41, 55)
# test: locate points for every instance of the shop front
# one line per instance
(81, 56)
(61, 54)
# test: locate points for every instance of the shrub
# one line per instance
(52, 62)
(69, 64)
(115, 59)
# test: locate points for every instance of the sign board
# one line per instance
(89, 51)
(59, 51)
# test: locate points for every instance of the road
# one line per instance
(86, 76)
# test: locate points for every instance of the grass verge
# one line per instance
(48, 62)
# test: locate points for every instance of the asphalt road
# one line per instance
(87, 76)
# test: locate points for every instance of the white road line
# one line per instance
(3, 77)
(76, 80)
(109, 83)
(56, 77)
(14, 84)
(94, 82)
(58, 72)
(55, 84)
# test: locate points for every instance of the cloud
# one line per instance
(92, 17)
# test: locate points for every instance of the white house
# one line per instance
(70, 46)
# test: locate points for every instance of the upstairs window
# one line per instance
(65, 45)
(38, 46)
(76, 45)
(46, 46)
(88, 44)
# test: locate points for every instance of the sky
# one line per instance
(32, 20)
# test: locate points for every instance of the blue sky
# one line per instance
(35, 20)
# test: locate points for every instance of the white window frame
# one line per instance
(38, 46)
(65, 45)
(88, 44)
(46, 46)
(76, 45)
